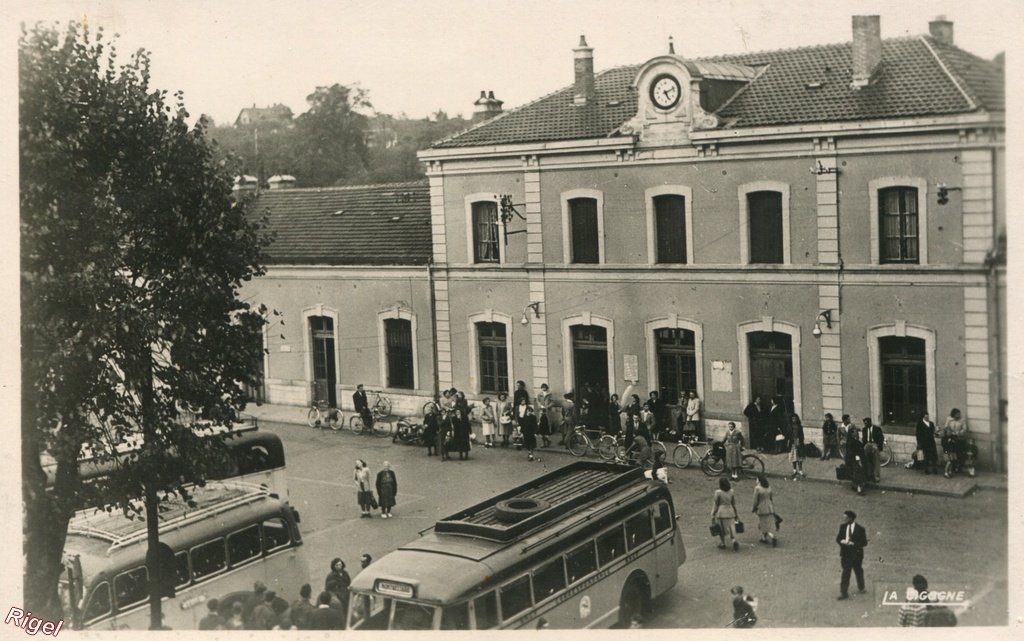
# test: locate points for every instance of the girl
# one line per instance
(364, 495)
(734, 443)
(724, 513)
(764, 508)
(503, 412)
(796, 442)
(487, 423)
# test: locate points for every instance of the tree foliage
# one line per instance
(132, 253)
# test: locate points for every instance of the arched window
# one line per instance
(583, 226)
(399, 348)
(764, 223)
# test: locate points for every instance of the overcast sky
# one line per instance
(417, 57)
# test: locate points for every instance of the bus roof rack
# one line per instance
(560, 491)
(215, 498)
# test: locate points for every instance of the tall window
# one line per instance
(766, 237)
(485, 232)
(493, 358)
(398, 334)
(583, 221)
(897, 223)
(677, 361)
(904, 384)
(670, 228)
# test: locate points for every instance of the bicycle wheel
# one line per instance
(712, 466)
(335, 420)
(681, 456)
(752, 466)
(885, 456)
(578, 444)
(313, 417)
(355, 423)
(383, 406)
(381, 428)
(606, 447)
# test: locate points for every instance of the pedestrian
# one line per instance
(764, 508)
(614, 425)
(852, 538)
(543, 410)
(658, 412)
(252, 599)
(641, 451)
(648, 426)
(503, 411)
(337, 583)
(734, 443)
(845, 427)
(927, 455)
(743, 615)
(778, 427)
(954, 430)
(364, 493)
(796, 444)
(431, 428)
(874, 441)
(568, 418)
(387, 489)
(520, 393)
(324, 617)
(723, 512)
(462, 431)
(364, 561)
(830, 438)
(263, 614)
(362, 406)
(237, 620)
(912, 614)
(282, 616)
(302, 607)
(693, 407)
(854, 461)
(755, 423)
(527, 422)
(487, 422)
(213, 620)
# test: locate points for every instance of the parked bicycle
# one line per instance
(684, 453)
(323, 416)
(582, 441)
(712, 463)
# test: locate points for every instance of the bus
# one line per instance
(233, 535)
(255, 457)
(588, 545)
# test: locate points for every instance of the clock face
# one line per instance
(665, 91)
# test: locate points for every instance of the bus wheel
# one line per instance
(515, 510)
(635, 600)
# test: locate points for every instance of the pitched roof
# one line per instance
(386, 224)
(918, 76)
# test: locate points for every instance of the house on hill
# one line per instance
(276, 117)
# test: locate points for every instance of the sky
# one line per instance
(418, 57)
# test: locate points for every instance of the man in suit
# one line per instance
(755, 419)
(362, 406)
(851, 538)
(874, 441)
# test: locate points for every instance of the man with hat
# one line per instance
(851, 538)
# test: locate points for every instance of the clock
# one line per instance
(665, 91)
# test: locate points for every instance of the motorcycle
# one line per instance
(408, 433)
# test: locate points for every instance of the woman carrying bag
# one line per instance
(724, 514)
(764, 508)
(364, 495)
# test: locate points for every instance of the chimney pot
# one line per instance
(583, 41)
(867, 49)
(583, 67)
(941, 29)
(487, 106)
(490, 95)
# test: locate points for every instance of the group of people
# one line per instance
(264, 609)
(725, 516)
(386, 485)
(447, 427)
(959, 451)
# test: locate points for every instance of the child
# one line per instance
(743, 615)
(487, 423)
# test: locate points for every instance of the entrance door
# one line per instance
(324, 377)
(590, 360)
(771, 367)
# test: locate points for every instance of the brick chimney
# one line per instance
(867, 49)
(583, 63)
(487, 106)
(941, 29)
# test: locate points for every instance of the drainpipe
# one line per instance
(433, 326)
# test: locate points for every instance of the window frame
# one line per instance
(530, 601)
(470, 200)
(899, 329)
(744, 227)
(885, 182)
(612, 531)
(903, 361)
(597, 566)
(473, 342)
(230, 560)
(566, 196)
(117, 605)
(267, 550)
(224, 555)
(92, 597)
(651, 215)
(388, 375)
(396, 313)
(559, 559)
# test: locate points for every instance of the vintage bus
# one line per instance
(255, 457)
(234, 535)
(588, 545)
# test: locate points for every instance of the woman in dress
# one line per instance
(925, 435)
(953, 435)
(830, 438)
(461, 430)
(487, 420)
(444, 433)
(387, 489)
(796, 443)
(693, 413)
(543, 420)
(723, 512)
(430, 428)
(734, 443)
(614, 419)
(364, 492)
(527, 421)
(503, 412)
(764, 508)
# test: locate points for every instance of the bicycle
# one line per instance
(683, 453)
(381, 404)
(322, 415)
(614, 447)
(579, 442)
(884, 455)
(380, 427)
(712, 463)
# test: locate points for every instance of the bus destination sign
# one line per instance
(394, 588)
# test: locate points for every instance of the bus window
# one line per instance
(485, 609)
(368, 612)
(515, 597)
(181, 573)
(131, 587)
(455, 617)
(548, 579)
(275, 534)
(208, 559)
(581, 562)
(638, 529)
(662, 518)
(244, 545)
(610, 545)
(412, 616)
(99, 603)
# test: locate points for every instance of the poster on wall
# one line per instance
(721, 376)
(631, 368)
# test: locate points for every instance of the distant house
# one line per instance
(277, 116)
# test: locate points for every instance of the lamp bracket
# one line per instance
(826, 315)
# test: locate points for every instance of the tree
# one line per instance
(332, 136)
(132, 253)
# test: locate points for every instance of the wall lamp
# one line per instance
(823, 316)
(525, 320)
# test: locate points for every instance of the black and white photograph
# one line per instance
(512, 315)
